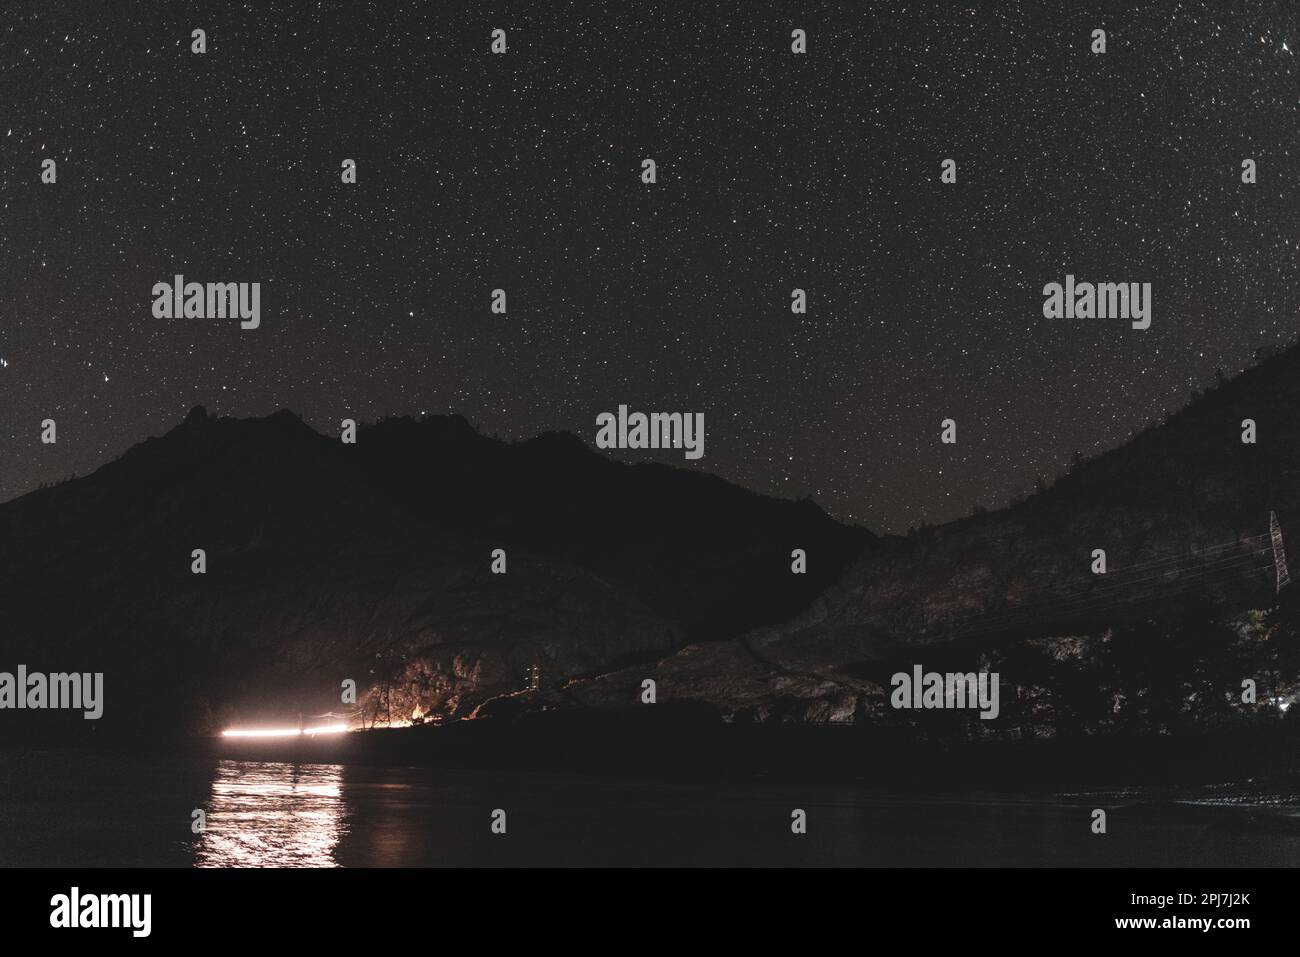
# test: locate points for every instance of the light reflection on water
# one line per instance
(272, 814)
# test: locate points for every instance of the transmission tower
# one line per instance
(1279, 553)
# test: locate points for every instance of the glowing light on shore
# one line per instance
(327, 729)
(283, 732)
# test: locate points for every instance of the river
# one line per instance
(95, 809)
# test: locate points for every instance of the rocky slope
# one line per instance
(1164, 638)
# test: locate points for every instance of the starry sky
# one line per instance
(775, 171)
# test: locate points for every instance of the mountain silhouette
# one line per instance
(371, 562)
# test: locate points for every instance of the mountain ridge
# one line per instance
(373, 562)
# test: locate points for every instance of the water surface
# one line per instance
(77, 808)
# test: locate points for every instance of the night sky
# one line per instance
(775, 171)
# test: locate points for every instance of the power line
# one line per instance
(1228, 559)
(1083, 606)
(1115, 584)
(1114, 593)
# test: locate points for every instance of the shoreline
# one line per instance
(684, 747)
